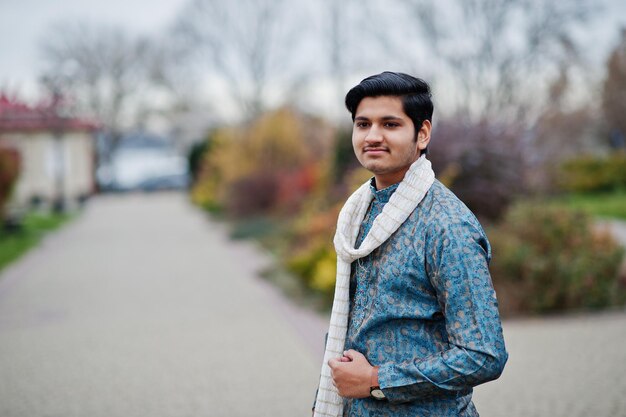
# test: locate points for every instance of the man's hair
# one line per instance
(414, 93)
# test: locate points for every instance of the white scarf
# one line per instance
(410, 192)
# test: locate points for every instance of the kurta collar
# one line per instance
(382, 196)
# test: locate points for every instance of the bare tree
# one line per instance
(498, 54)
(353, 37)
(246, 44)
(102, 68)
(614, 94)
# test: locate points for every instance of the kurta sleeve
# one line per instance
(457, 258)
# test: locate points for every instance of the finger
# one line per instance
(351, 354)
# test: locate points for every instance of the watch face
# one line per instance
(378, 394)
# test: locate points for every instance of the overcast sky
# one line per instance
(24, 22)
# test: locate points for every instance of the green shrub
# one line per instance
(551, 259)
(257, 227)
(33, 227)
(593, 173)
(606, 205)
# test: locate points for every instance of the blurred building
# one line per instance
(57, 154)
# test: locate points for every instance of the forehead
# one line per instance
(380, 106)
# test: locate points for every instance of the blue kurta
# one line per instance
(423, 308)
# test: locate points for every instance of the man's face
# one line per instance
(383, 138)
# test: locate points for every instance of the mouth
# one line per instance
(375, 151)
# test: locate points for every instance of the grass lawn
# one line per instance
(612, 205)
(34, 226)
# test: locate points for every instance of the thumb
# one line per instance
(353, 354)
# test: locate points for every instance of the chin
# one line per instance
(374, 169)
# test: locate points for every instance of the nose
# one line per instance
(374, 135)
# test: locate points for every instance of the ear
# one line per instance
(423, 136)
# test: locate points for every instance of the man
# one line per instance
(415, 321)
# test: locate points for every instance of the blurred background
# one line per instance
(238, 107)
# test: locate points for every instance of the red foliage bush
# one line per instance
(483, 164)
(253, 194)
(9, 172)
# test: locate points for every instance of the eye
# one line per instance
(392, 124)
(361, 124)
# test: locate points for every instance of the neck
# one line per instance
(387, 180)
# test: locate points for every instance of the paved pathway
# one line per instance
(141, 307)
(129, 312)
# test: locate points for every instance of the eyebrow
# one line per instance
(383, 118)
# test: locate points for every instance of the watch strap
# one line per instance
(375, 390)
(374, 377)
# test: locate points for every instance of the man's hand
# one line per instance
(351, 374)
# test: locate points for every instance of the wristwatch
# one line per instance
(375, 391)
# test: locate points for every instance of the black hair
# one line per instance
(414, 93)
